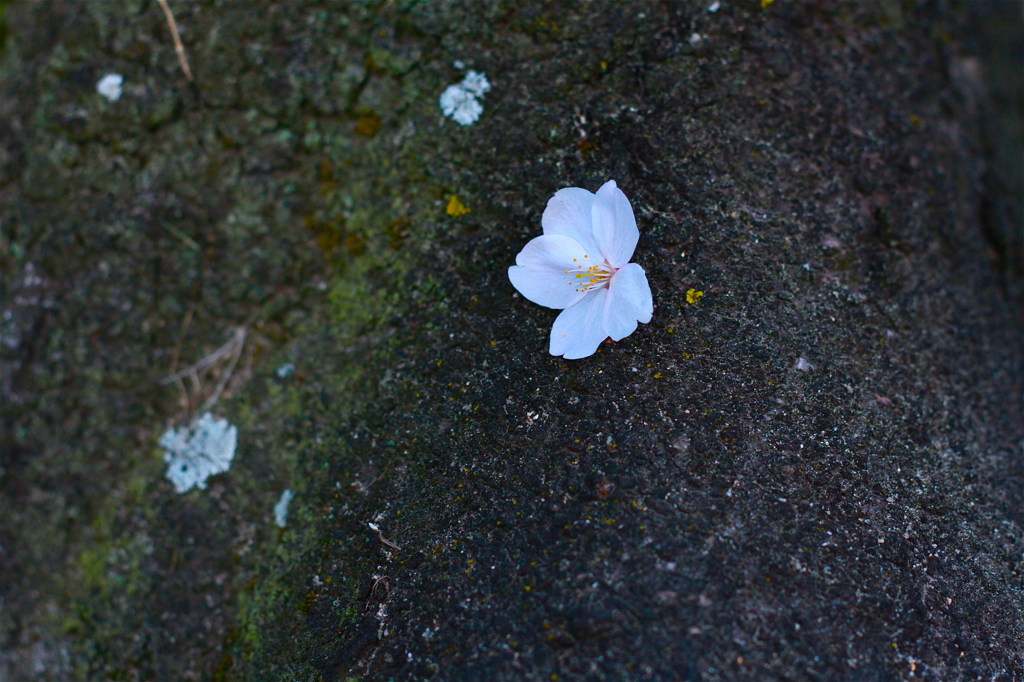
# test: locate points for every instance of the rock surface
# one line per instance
(809, 465)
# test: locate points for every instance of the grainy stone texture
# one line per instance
(815, 470)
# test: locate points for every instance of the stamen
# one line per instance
(595, 276)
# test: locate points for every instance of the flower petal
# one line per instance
(540, 273)
(629, 300)
(579, 329)
(569, 213)
(614, 226)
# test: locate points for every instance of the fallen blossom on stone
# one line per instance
(581, 265)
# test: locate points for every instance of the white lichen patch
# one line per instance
(461, 102)
(195, 452)
(281, 508)
(110, 86)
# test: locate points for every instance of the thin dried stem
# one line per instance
(178, 47)
(232, 346)
(181, 336)
(239, 344)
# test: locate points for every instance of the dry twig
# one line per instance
(380, 536)
(234, 345)
(178, 47)
(228, 354)
(177, 353)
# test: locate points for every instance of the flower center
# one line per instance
(589, 275)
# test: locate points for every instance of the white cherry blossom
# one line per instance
(581, 265)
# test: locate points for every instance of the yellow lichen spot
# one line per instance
(604, 65)
(526, 587)
(671, 330)
(657, 375)
(493, 344)
(455, 207)
(765, 3)
(693, 296)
